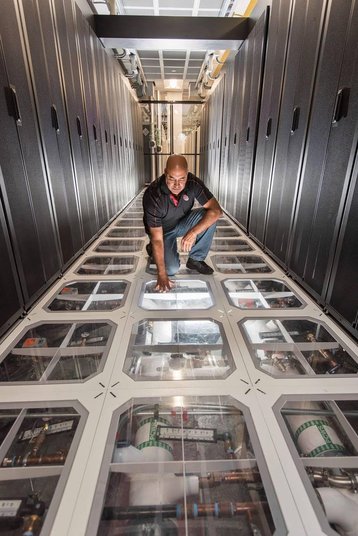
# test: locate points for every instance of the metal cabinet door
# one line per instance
(70, 65)
(48, 95)
(27, 198)
(303, 49)
(11, 303)
(343, 288)
(279, 21)
(330, 149)
(253, 78)
(91, 111)
(233, 138)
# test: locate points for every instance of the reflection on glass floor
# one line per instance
(126, 245)
(186, 294)
(118, 232)
(57, 352)
(326, 431)
(200, 460)
(230, 244)
(226, 231)
(108, 265)
(130, 222)
(294, 346)
(90, 296)
(260, 294)
(244, 264)
(178, 350)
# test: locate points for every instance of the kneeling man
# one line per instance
(168, 213)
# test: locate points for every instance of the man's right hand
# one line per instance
(164, 283)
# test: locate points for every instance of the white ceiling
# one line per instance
(183, 65)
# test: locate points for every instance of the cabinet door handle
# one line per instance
(235, 139)
(54, 118)
(342, 103)
(295, 119)
(14, 105)
(94, 133)
(79, 128)
(269, 128)
(248, 134)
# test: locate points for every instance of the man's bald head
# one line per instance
(176, 173)
(175, 162)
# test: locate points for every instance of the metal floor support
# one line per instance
(228, 404)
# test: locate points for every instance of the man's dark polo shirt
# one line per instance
(160, 210)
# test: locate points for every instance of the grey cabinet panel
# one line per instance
(68, 48)
(343, 289)
(91, 114)
(25, 189)
(303, 49)
(11, 303)
(53, 126)
(234, 133)
(248, 130)
(279, 21)
(330, 150)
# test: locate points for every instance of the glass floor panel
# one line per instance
(57, 352)
(203, 461)
(178, 350)
(260, 294)
(130, 222)
(296, 346)
(186, 294)
(223, 222)
(320, 434)
(126, 233)
(119, 246)
(226, 231)
(114, 265)
(230, 244)
(133, 214)
(90, 296)
(240, 264)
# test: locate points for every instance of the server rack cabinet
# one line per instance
(329, 155)
(252, 79)
(11, 305)
(343, 288)
(44, 68)
(279, 21)
(25, 191)
(233, 138)
(228, 81)
(88, 76)
(66, 35)
(303, 48)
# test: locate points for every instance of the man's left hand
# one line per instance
(188, 241)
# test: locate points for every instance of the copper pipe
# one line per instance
(24, 461)
(215, 479)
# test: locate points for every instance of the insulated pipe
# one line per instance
(313, 437)
(341, 507)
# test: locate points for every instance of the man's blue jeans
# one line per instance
(201, 247)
